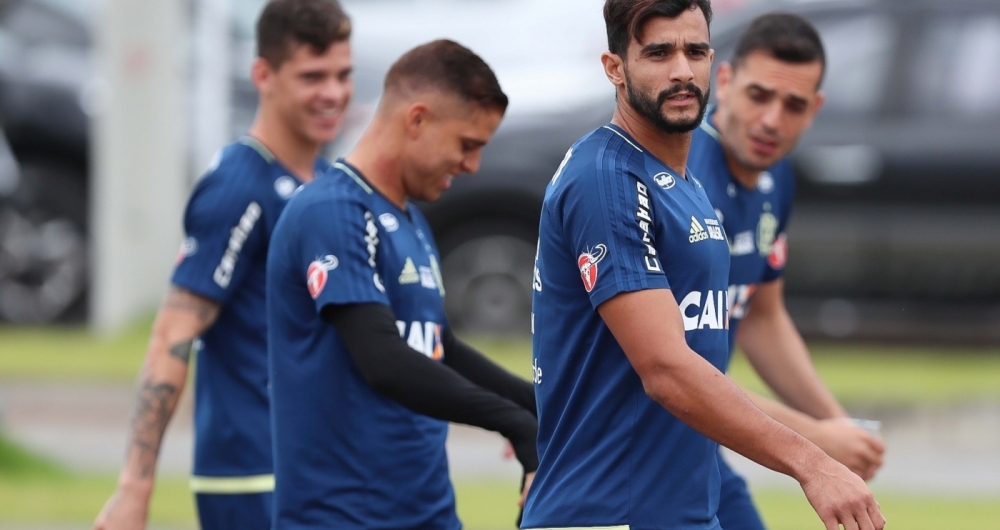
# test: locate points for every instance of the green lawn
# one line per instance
(33, 490)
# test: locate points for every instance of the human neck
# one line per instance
(669, 148)
(745, 176)
(378, 156)
(295, 153)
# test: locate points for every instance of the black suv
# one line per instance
(895, 233)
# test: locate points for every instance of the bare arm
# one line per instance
(840, 438)
(773, 346)
(182, 317)
(777, 352)
(649, 328)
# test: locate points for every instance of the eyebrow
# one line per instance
(771, 92)
(669, 47)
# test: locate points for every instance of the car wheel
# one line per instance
(487, 268)
(43, 252)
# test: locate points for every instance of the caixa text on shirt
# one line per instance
(238, 237)
(705, 310)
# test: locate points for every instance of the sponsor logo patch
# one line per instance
(644, 217)
(389, 222)
(409, 274)
(588, 265)
(698, 232)
(424, 337)
(765, 182)
(743, 244)
(665, 180)
(285, 187)
(710, 310)
(239, 234)
(317, 274)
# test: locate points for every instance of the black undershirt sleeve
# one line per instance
(477, 368)
(424, 386)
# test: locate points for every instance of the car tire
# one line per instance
(43, 250)
(487, 267)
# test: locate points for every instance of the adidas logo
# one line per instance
(409, 274)
(698, 232)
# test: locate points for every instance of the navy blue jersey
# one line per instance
(345, 455)
(755, 219)
(615, 220)
(228, 224)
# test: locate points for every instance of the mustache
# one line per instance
(677, 89)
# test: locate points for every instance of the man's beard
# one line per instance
(651, 110)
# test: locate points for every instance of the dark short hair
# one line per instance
(285, 23)
(626, 18)
(785, 36)
(450, 67)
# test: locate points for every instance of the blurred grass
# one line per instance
(868, 375)
(859, 375)
(34, 490)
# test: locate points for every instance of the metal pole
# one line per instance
(140, 171)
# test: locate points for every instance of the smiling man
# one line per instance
(366, 371)
(215, 305)
(768, 96)
(630, 317)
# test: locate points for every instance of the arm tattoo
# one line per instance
(154, 405)
(182, 350)
(183, 300)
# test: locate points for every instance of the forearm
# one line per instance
(477, 368)
(799, 422)
(424, 386)
(777, 352)
(180, 320)
(704, 398)
(159, 389)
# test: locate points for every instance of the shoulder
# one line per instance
(599, 158)
(332, 193)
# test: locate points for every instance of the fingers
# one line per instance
(528, 478)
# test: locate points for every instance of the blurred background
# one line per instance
(110, 110)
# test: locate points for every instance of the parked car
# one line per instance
(44, 68)
(899, 181)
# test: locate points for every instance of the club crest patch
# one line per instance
(588, 265)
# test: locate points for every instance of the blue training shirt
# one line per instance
(755, 219)
(615, 220)
(347, 457)
(228, 224)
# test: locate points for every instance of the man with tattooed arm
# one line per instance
(216, 304)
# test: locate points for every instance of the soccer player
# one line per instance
(767, 96)
(630, 323)
(364, 366)
(216, 302)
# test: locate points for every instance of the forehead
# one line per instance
(690, 27)
(794, 79)
(303, 56)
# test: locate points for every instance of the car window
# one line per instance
(859, 52)
(956, 69)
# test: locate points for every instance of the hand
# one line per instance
(125, 510)
(842, 498)
(850, 445)
(528, 478)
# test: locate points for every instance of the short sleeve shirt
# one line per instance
(227, 224)
(346, 456)
(616, 220)
(755, 219)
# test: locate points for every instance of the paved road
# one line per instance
(952, 450)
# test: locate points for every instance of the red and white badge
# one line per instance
(779, 253)
(588, 265)
(317, 274)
